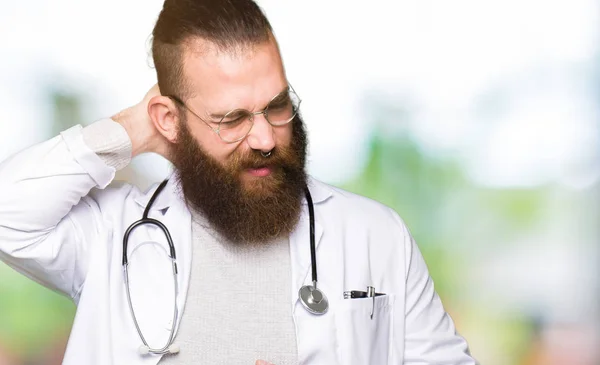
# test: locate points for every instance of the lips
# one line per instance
(260, 171)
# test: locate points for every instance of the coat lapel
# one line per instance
(171, 210)
(178, 217)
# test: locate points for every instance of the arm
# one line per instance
(45, 224)
(430, 335)
(46, 219)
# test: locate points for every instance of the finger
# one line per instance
(262, 362)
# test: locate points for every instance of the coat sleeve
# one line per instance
(46, 219)
(430, 334)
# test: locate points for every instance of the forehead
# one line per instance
(241, 78)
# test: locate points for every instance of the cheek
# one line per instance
(283, 135)
(213, 145)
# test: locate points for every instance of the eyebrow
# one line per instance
(281, 97)
(221, 115)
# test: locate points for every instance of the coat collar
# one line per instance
(165, 199)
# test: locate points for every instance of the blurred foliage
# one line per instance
(33, 317)
(67, 110)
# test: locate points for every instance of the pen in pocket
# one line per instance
(370, 293)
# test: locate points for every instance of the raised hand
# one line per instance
(138, 124)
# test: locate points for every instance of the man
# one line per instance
(224, 287)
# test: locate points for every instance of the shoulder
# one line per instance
(353, 206)
(118, 195)
(115, 192)
(367, 224)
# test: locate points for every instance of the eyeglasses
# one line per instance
(236, 124)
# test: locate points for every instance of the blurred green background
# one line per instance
(476, 121)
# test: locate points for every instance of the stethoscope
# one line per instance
(312, 298)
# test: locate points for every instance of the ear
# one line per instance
(165, 116)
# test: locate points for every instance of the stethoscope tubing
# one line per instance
(165, 230)
(125, 263)
(313, 254)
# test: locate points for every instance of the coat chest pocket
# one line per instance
(362, 340)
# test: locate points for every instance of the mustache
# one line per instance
(280, 157)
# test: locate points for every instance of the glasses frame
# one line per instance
(265, 112)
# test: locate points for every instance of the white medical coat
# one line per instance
(62, 226)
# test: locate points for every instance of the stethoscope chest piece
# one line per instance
(313, 299)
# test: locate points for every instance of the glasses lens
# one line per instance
(283, 108)
(235, 125)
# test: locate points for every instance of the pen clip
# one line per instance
(371, 293)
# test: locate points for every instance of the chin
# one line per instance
(263, 185)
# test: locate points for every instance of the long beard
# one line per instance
(255, 211)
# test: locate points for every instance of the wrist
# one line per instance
(109, 141)
(138, 143)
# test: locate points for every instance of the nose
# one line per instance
(261, 136)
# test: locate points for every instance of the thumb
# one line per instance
(262, 362)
